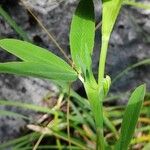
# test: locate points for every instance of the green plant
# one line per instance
(13, 24)
(38, 62)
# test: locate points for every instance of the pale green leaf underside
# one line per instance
(39, 70)
(29, 52)
(130, 118)
(110, 13)
(38, 62)
(82, 33)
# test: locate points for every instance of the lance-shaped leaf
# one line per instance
(38, 61)
(82, 34)
(29, 52)
(110, 11)
(40, 70)
(130, 118)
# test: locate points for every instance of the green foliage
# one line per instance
(26, 106)
(109, 17)
(13, 24)
(82, 35)
(12, 114)
(38, 62)
(136, 4)
(130, 117)
(129, 68)
(108, 22)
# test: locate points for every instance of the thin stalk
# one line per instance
(95, 100)
(38, 142)
(102, 61)
(68, 114)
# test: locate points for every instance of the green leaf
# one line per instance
(82, 34)
(29, 138)
(40, 70)
(13, 114)
(137, 4)
(110, 12)
(32, 53)
(109, 17)
(95, 97)
(130, 117)
(27, 106)
(39, 62)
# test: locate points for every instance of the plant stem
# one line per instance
(95, 99)
(102, 61)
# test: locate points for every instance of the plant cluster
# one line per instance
(38, 62)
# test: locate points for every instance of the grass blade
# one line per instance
(27, 137)
(13, 24)
(137, 4)
(27, 106)
(13, 114)
(72, 140)
(130, 117)
(125, 71)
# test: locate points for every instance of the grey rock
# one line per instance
(24, 90)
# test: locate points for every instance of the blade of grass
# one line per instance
(72, 140)
(13, 114)
(14, 25)
(19, 140)
(27, 106)
(21, 145)
(42, 147)
(130, 118)
(111, 126)
(137, 4)
(125, 71)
